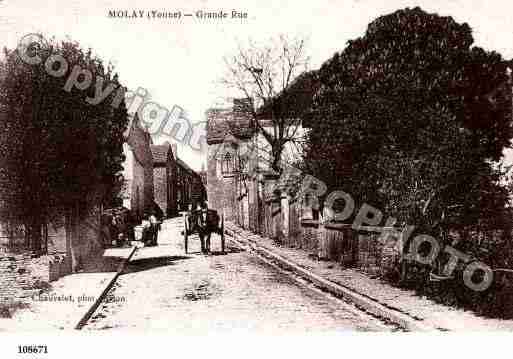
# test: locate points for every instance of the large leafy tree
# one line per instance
(58, 149)
(416, 116)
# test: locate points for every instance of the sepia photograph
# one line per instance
(334, 169)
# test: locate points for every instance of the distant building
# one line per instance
(190, 188)
(165, 178)
(137, 194)
(155, 175)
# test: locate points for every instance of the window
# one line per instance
(242, 165)
(227, 164)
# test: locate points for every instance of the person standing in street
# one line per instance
(146, 230)
(208, 222)
(154, 225)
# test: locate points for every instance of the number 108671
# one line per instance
(32, 349)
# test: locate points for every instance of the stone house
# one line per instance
(238, 163)
(199, 191)
(138, 193)
(190, 188)
(239, 171)
(165, 178)
(227, 130)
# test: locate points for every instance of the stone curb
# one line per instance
(106, 290)
(367, 304)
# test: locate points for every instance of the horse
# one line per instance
(204, 221)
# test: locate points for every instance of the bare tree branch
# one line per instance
(263, 74)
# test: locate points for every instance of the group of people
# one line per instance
(118, 226)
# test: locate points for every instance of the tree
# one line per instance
(416, 117)
(265, 74)
(60, 150)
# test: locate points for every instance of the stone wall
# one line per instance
(137, 191)
(86, 242)
(221, 190)
(340, 243)
(290, 221)
(375, 252)
(254, 208)
(172, 209)
(309, 236)
(138, 168)
(148, 186)
(23, 275)
(160, 183)
(295, 229)
(57, 238)
(369, 253)
(379, 250)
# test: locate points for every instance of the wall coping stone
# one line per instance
(338, 226)
(309, 223)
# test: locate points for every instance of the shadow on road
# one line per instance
(228, 250)
(155, 261)
(138, 265)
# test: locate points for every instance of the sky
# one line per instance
(179, 61)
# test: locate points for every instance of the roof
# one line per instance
(160, 153)
(140, 141)
(235, 121)
(184, 165)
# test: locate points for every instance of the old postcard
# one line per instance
(220, 167)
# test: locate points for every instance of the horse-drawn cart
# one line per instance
(202, 223)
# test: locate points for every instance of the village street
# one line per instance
(163, 289)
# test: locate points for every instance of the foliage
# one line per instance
(415, 117)
(417, 121)
(57, 148)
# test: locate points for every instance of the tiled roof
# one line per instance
(160, 152)
(140, 140)
(223, 122)
(184, 165)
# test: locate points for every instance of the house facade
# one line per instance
(228, 130)
(137, 194)
(165, 178)
(190, 189)
(154, 174)
(239, 170)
